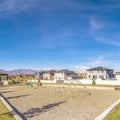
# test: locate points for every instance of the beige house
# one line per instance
(48, 76)
(82, 74)
(99, 72)
(45, 75)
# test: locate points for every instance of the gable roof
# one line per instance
(67, 72)
(98, 69)
(73, 75)
(117, 73)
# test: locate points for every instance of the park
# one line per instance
(59, 102)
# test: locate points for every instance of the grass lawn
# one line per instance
(114, 114)
(4, 113)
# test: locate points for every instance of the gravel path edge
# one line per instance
(9, 107)
(107, 111)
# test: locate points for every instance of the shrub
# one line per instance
(93, 82)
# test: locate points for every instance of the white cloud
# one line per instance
(111, 42)
(95, 25)
(13, 6)
(81, 67)
(99, 61)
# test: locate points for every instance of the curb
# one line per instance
(109, 109)
(14, 113)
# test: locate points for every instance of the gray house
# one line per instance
(99, 72)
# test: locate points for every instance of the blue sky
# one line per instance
(72, 34)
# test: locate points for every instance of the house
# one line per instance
(81, 74)
(65, 75)
(48, 75)
(39, 75)
(117, 75)
(3, 76)
(45, 75)
(99, 72)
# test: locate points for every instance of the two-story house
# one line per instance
(49, 75)
(99, 72)
(45, 75)
(39, 75)
(65, 75)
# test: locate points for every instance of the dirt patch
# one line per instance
(44, 103)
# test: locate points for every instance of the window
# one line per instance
(102, 71)
(101, 76)
(94, 76)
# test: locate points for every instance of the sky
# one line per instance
(59, 34)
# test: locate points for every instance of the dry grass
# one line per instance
(49, 103)
(4, 113)
(114, 114)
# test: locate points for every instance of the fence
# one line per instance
(83, 81)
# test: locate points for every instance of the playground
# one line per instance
(59, 103)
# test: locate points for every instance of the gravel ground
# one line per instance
(54, 103)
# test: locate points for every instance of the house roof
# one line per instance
(73, 75)
(67, 72)
(98, 69)
(41, 72)
(2, 73)
(117, 73)
(48, 72)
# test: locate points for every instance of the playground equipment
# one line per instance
(67, 88)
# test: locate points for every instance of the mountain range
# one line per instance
(20, 71)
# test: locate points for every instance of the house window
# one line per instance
(102, 71)
(101, 76)
(94, 77)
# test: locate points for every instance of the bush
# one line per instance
(93, 82)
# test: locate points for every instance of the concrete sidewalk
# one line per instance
(9, 107)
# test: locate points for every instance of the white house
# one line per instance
(99, 72)
(117, 75)
(65, 75)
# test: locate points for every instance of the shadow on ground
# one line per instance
(7, 91)
(20, 114)
(14, 97)
(36, 111)
(9, 114)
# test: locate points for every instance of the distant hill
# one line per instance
(19, 71)
(2, 71)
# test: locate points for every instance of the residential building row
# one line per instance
(90, 74)
(57, 75)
